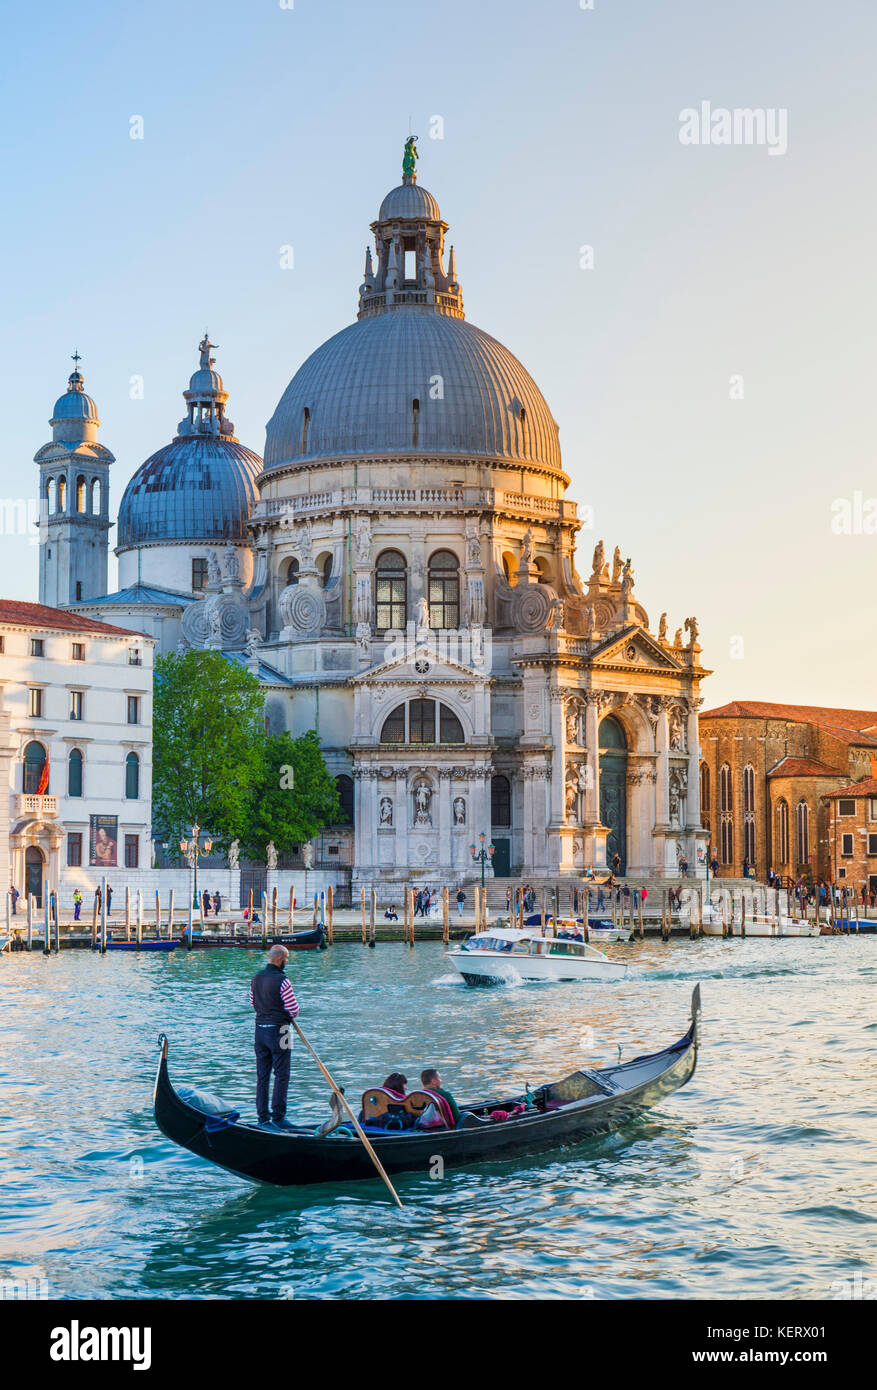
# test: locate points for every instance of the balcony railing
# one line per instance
(29, 804)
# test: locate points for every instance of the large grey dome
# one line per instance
(410, 201)
(194, 489)
(358, 390)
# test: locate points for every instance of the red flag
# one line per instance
(44, 777)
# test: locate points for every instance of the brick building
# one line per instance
(851, 832)
(765, 773)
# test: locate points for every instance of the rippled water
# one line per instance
(756, 1180)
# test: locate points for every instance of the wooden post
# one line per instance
(362, 913)
(372, 913)
(140, 917)
(30, 921)
(289, 909)
(743, 913)
(157, 915)
(189, 919)
(409, 912)
(170, 915)
(57, 925)
(412, 931)
(292, 907)
(446, 915)
(94, 912)
(639, 910)
(665, 915)
(330, 913)
(127, 912)
(47, 938)
(103, 917)
(264, 919)
(731, 915)
(274, 908)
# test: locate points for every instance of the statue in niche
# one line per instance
(571, 795)
(527, 548)
(616, 565)
(271, 855)
(306, 543)
(459, 811)
(473, 545)
(386, 811)
(677, 734)
(363, 541)
(422, 803)
(572, 724)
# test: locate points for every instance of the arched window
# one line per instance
(95, 496)
(74, 773)
(500, 802)
(391, 591)
(749, 813)
(62, 494)
(132, 777)
(749, 787)
(444, 590)
(510, 568)
(727, 840)
(782, 833)
(705, 792)
(726, 805)
(802, 823)
(292, 570)
(344, 785)
(80, 494)
(422, 721)
(34, 766)
(50, 494)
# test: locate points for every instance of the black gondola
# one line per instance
(310, 940)
(557, 1114)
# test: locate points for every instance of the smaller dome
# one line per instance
(205, 382)
(74, 404)
(411, 201)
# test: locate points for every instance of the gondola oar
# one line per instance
(354, 1121)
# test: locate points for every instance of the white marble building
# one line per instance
(75, 752)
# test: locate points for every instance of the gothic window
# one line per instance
(782, 833)
(500, 802)
(727, 840)
(444, 590)
(705, 796)
(344, 785)
(292, 572)
(74, 773)
(749, 813)
(132, 777)
(725, 792)
(34, 764)
(802, 819)
(749, 787)
(391, 586)
(420, 721)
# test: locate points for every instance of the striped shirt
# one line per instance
(287, 998)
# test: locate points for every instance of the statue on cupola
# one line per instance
(409, 158)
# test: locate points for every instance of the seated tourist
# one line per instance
(431, 1081)
(396, 1083)
(391, 915)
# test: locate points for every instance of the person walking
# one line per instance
(461, 899)
(275, 1005)
(109, 898)
(217, 903)
(77, 904)
(14, 895)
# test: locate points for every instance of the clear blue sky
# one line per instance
(266, 126)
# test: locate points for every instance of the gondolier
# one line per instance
(272, 997)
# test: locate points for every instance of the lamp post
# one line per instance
(191, 850)
(482, 856)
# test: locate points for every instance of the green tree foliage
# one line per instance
(294, 797)
(208, 744)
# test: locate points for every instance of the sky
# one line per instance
(709, 361)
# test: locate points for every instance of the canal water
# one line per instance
(756, 1180)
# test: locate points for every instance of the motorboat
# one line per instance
(508, 955)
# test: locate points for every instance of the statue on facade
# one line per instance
(527, 547)
(459, 811)
(254, 639)
(677, 640)
(363, 637)
(422, 802)
(591, 626)
(662, 628)
(234, 850)
(204, 347)
(409, 158)
(421, 615)
(363, 541)
(214, 574)
(616, 565)
(677, 732)
(598, 561)
(627, 578)
(271, 855)
(571, 795)
(572, 724)
(386, 811)
(306, 543)
(231, 567)
(307, 855)
(692, 630)
(473, 545)
(555, 617)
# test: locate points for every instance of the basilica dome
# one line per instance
(201, 486)
(411, 376)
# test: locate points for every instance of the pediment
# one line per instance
(634, 648)
(422, 664)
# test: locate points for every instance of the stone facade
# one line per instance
(765, 771)
(851, 835)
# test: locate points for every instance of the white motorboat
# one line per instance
(508, 955)
(600, 929)
(775, 925)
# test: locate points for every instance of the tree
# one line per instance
(295, 795)
(208, 743)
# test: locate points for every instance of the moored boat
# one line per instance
(310, 940)
(551, 1116)
(508, 955)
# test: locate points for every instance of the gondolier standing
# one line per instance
(272, 997)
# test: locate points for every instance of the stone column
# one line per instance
(444, 817)
(402, 820)
(693, 803)
(558, 759)
(592, 747)
(662, 739)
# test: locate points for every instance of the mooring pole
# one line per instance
(330, 914)
(140, 918)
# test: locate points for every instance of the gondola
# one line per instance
(552, 1116)
(310, 940)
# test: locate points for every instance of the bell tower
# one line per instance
(74, 501)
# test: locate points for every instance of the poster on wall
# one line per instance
(103, 839)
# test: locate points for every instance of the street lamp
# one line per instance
(482, 856)
(191, 850)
